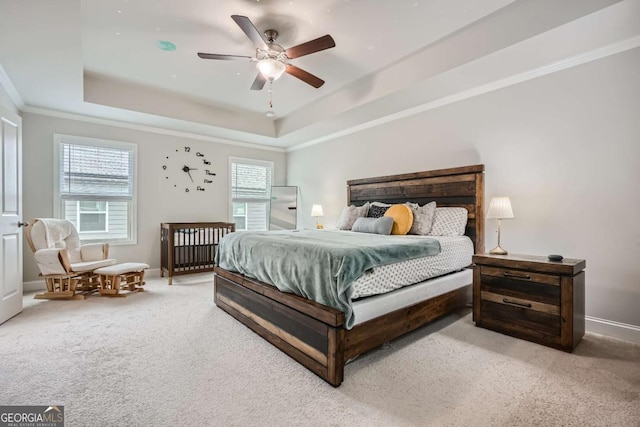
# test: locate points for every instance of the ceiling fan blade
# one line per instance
(249, 29)
(223, 57)
(259, 82)
(321, 43)
(304, 76)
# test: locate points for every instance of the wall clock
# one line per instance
(189, 170)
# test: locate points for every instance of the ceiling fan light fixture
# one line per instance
(271, 68)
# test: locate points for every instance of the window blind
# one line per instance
(250, 182)
(88, 171)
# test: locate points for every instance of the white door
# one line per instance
(10, 215)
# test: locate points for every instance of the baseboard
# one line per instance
(33, 286)
(39, 285)
(613, 329)
(152, 273)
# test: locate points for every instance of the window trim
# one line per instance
(244, 160)
(58, 139)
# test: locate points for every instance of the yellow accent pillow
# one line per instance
(402, 218)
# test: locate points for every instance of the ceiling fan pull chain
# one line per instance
(271, 94)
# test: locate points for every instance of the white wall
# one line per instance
(158, 200)
(565, 148)
(5, 100)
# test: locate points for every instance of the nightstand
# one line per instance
(531, 298)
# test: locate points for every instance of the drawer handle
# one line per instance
(507, 301)
(517, 276)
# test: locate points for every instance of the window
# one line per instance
(95, 187)
(92, 216)
(250, 193)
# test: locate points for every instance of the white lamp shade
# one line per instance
(271, 68)
(500, 208)
(316, 210)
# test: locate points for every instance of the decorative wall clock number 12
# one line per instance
(193, 170)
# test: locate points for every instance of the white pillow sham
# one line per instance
(449, 222)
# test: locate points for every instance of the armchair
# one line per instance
(67, 265)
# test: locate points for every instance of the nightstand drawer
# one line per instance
(524, 276)
(521, 303)
(520, 289)
(519, 319)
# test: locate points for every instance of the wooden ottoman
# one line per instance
(128, 276)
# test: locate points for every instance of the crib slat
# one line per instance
(190, 247)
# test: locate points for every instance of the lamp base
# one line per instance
(319, 227)
(498, 251)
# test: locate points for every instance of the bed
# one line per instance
(316, 335)
(190, 247)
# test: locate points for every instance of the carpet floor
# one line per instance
(169, 357)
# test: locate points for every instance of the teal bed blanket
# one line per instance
(318, 265)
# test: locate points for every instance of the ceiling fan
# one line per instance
(272, 59)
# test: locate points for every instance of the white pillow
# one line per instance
(449, 222)
(422, 218)
(350, 214)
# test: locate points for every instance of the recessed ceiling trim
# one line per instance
(593, 55)
(145, 128)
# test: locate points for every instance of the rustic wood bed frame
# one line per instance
(314, 334)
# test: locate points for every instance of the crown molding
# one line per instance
(145, 128)
(551, 68)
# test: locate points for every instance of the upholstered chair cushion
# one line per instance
(57, 248)
(57, 233)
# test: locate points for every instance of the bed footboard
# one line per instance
(310, 333)
(314, 334)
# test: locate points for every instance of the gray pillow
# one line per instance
(422, 218)
(382, 225)
(350, 214)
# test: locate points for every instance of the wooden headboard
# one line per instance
(461, 186)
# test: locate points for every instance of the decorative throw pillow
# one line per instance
(382, 225)
(449, 222)
(376, 210)
(402, 218)
(350, 214)
(422, 218)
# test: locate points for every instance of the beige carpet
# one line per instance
(169, 357)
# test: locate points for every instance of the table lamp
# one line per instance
(316, 211)
(499, 208)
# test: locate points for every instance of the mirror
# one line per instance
(282, 215)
